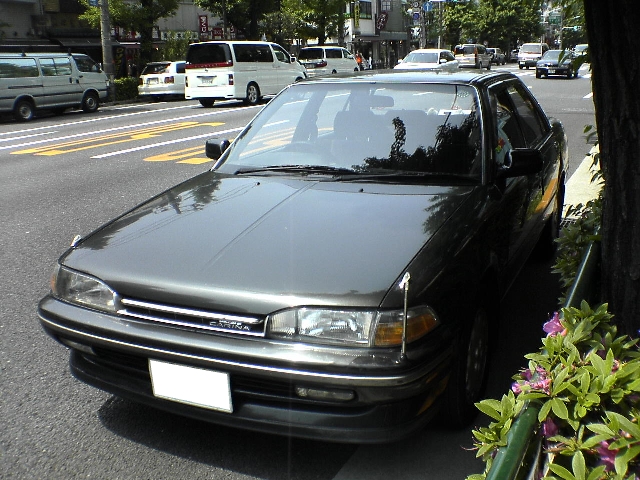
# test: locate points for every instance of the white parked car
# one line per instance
(161, 80)
(430, 58)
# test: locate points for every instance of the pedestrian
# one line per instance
(359, 61)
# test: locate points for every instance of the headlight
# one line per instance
(358, 328)
(75, 287)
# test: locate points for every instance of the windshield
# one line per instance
(531, 48)
(365, 128)
(422, 57)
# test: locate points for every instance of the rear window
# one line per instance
(310, 54)
(465, 50)
(208, 53)
(155, 68)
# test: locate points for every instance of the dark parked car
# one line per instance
(337, 273)
(556, 62)
(497, 56)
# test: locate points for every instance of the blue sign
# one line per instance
(427, 6)
(93, 3)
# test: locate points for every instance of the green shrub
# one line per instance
(126, 88)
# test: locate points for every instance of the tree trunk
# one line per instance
(612, 30)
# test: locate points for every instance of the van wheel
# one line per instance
(207, 102)
(253, 94)
(90, 102)
(24, 111)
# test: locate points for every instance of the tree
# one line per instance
(324, 18)
(139, 16)
(244, 15)
(615, 73)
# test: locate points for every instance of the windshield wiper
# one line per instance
(297, 169)
(395, 176)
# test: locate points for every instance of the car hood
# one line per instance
(258, 244)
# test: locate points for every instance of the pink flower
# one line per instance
(607, 456)
(553, 326)
(549, 428)
(516, 388)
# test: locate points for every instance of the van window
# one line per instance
(334, 53)
(465, 50)
(531, 48)
(310, 53)
(253, 53)
(155, 68)
(208, 53)
(18, 68)
(86, 64)
(52, 67)
(281, 54)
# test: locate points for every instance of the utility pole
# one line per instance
(107, 51)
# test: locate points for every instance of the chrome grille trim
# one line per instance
(198, 319)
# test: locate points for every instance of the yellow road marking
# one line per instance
(111, 139)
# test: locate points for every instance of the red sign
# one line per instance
(382, 20)
(203, 21)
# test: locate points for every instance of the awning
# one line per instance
(78, 42)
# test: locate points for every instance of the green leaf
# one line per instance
(561, 471)
(578, 465)
(559, 408)
(544, 411)
(488, 408)
(626, 424)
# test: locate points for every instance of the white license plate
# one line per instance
(190, 385)
(551, 70)
(152, 81)
(206, 80)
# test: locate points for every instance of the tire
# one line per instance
(569, 74)
(24, 111)
(253, 94)
(520, 67)
(470, 367)
(207, 102)
(90, 102)
(538, 74)
(489, 66)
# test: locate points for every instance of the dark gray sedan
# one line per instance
(337, 274)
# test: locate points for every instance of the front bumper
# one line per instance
(388, 404)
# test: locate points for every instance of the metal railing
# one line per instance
(519, 459)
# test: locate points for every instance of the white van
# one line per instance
(530, 53)
(223, 70)
(323, 60)
(50, 81)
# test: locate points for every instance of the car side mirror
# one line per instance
(522, 161)
(215, 147)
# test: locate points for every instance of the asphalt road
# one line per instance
(64, 175)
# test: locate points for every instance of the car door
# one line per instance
(287, 73)
(518, 124)
(58, 83)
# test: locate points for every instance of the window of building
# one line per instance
(385, 5)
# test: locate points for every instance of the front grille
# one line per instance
(191, 318)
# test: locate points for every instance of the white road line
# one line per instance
(168, 142)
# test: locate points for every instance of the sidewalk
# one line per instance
(579, 188)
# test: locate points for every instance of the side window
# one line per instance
(280, 54)
(333, 53)
(63, 66)
(180, 67)
(507, 131)
(532, 124)
(264, 54)
(86, 64)
(18, 68)
(48, 67)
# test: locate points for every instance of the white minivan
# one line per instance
(224, 70)
(50, 81)
(326, 60)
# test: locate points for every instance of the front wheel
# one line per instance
(469, 369)
(489, 66)
(90, 102)
(24, 111)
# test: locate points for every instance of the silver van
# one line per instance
(473, 55)
(49, 81)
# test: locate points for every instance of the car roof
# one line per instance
(415, 76)
(429, 50)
